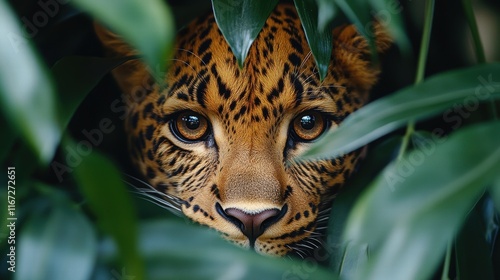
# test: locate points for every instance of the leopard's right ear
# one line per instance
(129, 75)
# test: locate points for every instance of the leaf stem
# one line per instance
(446, 265)
(476, 38)
(422, 60)
(478, 45)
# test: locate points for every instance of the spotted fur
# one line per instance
(247, 161)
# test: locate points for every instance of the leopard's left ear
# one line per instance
(352, 51)
(132, 73)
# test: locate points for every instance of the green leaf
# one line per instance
(76, 76)
(58, 243)
(320, 42)
(146, 25)
(495, 193)
(342, 256)
(416, 206)
(26, 93)
(327, 11)
(107, 196)
(389, 14)
(472, 253)
(241, 21)
(467, 88)
(174, 249)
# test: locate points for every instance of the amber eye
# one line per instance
(190, 126)
(308, 126)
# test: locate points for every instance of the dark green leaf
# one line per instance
(472, 253)
(76, 76)
(466, 87)
(327, 11)
(241, 21)
(56, 244)
(107, 196)
(320, 42)
(495, 193)
(8, 138)
(416, 206)
(26, 93)
(146, 25)
(178, 250)
(339, 252)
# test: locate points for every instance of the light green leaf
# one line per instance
(241, 21)
(358, 13)
(472, 253)
(76, 76)
(147, 25)
(174, 249)
(389, 14)
(108, 198)
(327, 11)
(26, 93)
(58, 243)
(467, 87)
(320, 42)
(416, 206)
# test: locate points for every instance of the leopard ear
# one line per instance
(353, 53)
(129, 75)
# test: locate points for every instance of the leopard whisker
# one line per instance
(149, 193)
(189, 65)
(192, 53)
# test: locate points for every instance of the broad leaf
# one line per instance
(76, 76)
(343, 255)
(241, 21)
(416, 206)
(58, 243)
(147, 25)
(320, 42)
(26, 92)
(466, 87)
(178, 250)
(107, 196)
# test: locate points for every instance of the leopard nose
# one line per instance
(252, 225)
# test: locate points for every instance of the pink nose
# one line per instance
(252, 225)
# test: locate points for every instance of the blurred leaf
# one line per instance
(8, 138)
(389, 14)
(472, 253)
(147, 25)
(358, 13)
(58, 243)
(417, 204)
(378, 156)
(26, 94)
(241, 21)
(467, 86)
(76, 76)
(320, 42)
(177, 250)
(107, 196)
(327, 11)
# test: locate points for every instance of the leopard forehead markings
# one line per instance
(242, 179)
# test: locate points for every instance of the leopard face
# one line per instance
(222, 141)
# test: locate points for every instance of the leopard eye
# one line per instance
(309, 126)
(190, 126)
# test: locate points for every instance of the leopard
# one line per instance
(221, 143)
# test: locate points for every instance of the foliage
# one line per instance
(422, 204)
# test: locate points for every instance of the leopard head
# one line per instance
(221, 142)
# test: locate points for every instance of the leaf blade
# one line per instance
(240, 22)
(423, 211)
(26, 92)
(416, 102)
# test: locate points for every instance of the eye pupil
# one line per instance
(307, 122)
(192, 122)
